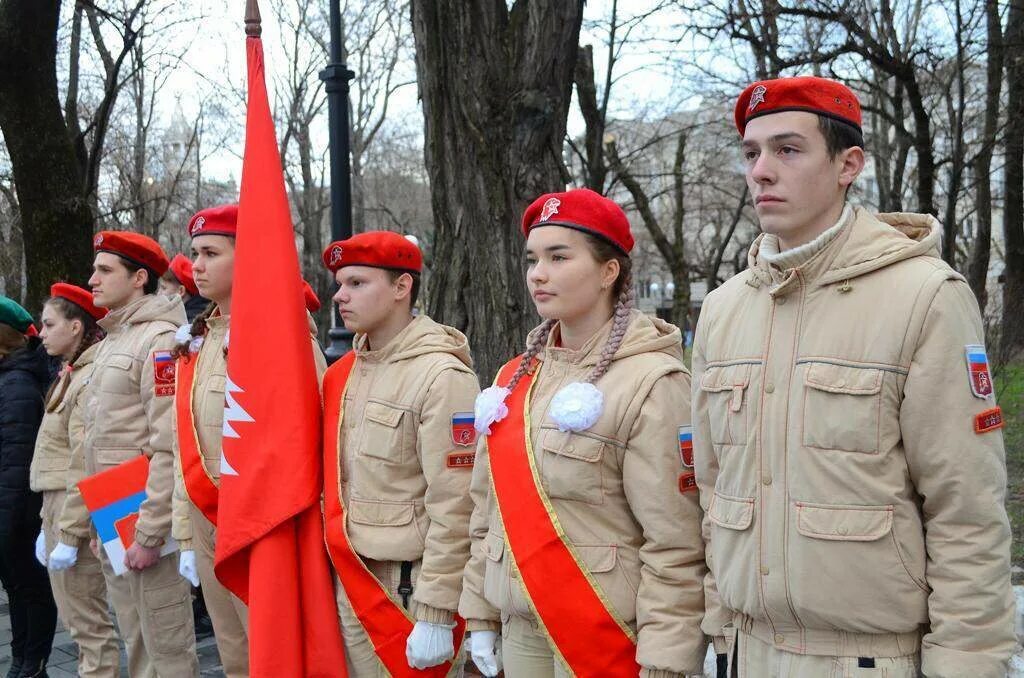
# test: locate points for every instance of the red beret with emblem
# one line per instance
(309, 296)
(222, 220)
(813, 95)
(181, 267)
(135, 247)
(79, 297)
(583, 210)
(379, 249)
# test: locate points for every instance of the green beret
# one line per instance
(11, 313)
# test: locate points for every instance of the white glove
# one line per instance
(41, 548)
(63, 556)
(187, 567)
(483, 649)
(429, 645)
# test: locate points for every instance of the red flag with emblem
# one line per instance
(270, 548)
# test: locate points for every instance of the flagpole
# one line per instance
(335, 77)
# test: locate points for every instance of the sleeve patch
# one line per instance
(164, 368)
(686, 445)
(463, 431)
(461, 459)
(688, 482)
(989, 420)
(977, 371)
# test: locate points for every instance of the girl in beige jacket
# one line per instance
(70, 332)
(607, 423)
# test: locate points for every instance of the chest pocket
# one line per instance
(384, 432)
(212, 400)
(727, 388)
(117, 376)
(571, 466)
(842, 408)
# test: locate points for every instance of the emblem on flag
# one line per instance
(686, 445)
(550, 208)
(463, 432)
(977, 370)
(163, 373)
(757, 97)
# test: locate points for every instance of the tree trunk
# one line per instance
(495, 85)
(1012, 335)
(56, 221)
(977, 269)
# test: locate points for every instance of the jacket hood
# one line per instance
(420, 337)
(149, 308)
(644, 334)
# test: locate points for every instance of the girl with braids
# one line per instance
(70, 331)
(586, 540)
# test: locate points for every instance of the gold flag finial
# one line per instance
(253, 26)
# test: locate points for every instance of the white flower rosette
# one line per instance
(576, 406)
(489, 408)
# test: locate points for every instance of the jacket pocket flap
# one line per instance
(216, 383)
(599, 558)
(115, 455)
(725, 378)
(734, 513)
(120, 361)
(843, 523)
(383, 414)
(164, 596)
(494, 546)
(379, 513)
(573, 445)
(843, 379)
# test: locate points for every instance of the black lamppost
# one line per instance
(335, 78)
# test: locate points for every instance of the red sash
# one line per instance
(199, 485)
(572, 611)
(386, 623)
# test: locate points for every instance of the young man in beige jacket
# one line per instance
(128, 412)
(846, 433)
(399, 450)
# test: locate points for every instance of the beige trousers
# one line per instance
(526, 653)
(154, 616)
(81, 596)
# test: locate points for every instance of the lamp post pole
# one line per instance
(335, 78)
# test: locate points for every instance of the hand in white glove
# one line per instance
(483, 648)
(63, 556)
(429, 645)
(187, 567)
(41, 548)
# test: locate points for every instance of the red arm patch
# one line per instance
(164, 368)
(461, 459)
(989, 420)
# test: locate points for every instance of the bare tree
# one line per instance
(1012, 331)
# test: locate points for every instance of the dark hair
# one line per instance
(394, 274)
(198, 329)
(839, 135)
(152, 279)
(91, 333)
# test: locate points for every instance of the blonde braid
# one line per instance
(622, 317)
(532, 349)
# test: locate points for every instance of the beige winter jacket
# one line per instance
(128, 412)
(61, 426)
(404, 477)
(615, 489)
(851, 508)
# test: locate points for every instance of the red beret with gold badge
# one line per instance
(811, 94)
(379, 249)
(221, 220)
(79, 297)
(139, 249)
(583, 210)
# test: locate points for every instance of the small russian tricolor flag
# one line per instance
(686, 445)
(977, 370)
(463, 432)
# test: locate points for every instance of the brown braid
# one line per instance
(532, 349)
(91, 333)
(198, 329)
(620, 323)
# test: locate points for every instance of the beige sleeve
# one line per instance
(181, 512)
(670, 597)
(73, 525)
(473, 606)
(705, 464)
(960, 476)
(155, 512)
(447, 501)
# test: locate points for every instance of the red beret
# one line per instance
(583, 210)
(380, 249)
(135, 247)
(309, 296)
(814, 95)
(79, 297)
(222, 220)
(181, 267)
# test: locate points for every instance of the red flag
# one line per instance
(270, 544)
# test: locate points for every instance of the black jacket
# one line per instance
(23, 381)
